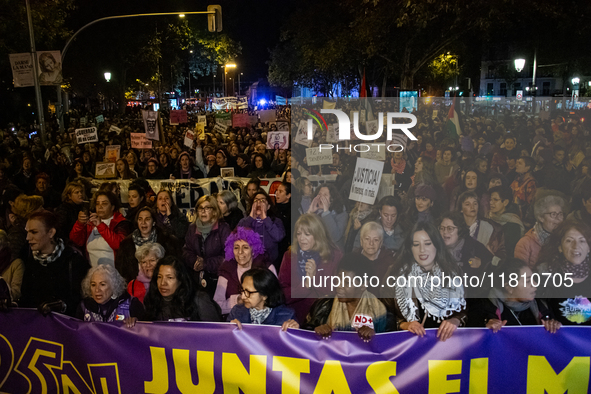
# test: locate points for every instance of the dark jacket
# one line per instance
(228, 270)
(235, 216)
(211, 249)
(107, 311)
(277, 317)
(195, 173)
(127, 264)
(270, 229)
(67, 214)
(177, 224)
(204, 309)
(59, 280)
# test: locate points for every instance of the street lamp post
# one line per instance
(213, 13)
(40, 114)
(227, 66)
(239, 83)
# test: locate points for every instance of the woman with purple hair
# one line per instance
(243, 250)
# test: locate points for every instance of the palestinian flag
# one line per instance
(453, 122)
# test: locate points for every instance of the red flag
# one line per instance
(362, 92)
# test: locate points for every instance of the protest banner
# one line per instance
(43, 355)
(375, 152)
(282, 125)
(315, 156)
(199, 128)
(278, 140)
(151, 124)
(85, 135)
(115, 129)
(51, 75)
(371, 127)
(105, 169)
(112, 152)
(240, 120)
(178, 116)
(332, 133)
(268, 115)
(366, 180)
(139, 141)
(227, 172)
(223, 116)
(189, 137)
(202, 119)
(218, 128)
(435, 112)
(22, 69)
(100, 119)
(301, 136)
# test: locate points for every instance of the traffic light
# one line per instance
(214, 21)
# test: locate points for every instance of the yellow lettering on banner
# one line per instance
(541, 377)
(291, 369)
(378, 376)
(184, 378)
(159, 383)
(438, 371)
(332, 379)
(236, 377)
(478, 376)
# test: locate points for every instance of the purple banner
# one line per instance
(55, 354)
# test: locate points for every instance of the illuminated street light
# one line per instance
(181, 15)
(519, 64)
(230, 65)
(108, 76)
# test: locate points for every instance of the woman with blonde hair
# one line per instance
(204, 243)
(315, 255)
(11, 270)
(73, 198)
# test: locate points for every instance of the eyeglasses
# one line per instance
(247, 293)
(555, 215)
(448, 229)
(204, 209)
(260, 200)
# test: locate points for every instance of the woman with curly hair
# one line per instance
(566, 254)
(243, 250)
(172, 296)
(105, 297)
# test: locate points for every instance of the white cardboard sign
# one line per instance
(316, 157)
(366, 180)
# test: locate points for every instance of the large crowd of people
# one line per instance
(511, 195)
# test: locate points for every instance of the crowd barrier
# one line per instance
(57, 354)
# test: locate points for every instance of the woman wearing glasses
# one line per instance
(472, 256)
(263, 301)
(264, 221)
(506, 214)
(549, 213)
(244, 250)
(204, 244)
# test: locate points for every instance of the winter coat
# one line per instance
(90, 310)
(67, 215)
(277, 317)
(235, 216)
(125, 260)
(303, 298)
(211, 249)
(271, 231)
(528, 248)
(59, 280)
(114, 233)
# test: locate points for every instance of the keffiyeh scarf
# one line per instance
(45, 259)
(138, 240)
(258, 317)
(437, 302)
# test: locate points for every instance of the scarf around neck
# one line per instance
(499, 299)
(541, 233)
(204, 229)
(138, 240)
(398, 168)
(45, 259)
(456, 250)
(258, 317)
(438, 302)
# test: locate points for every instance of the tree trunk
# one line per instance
(408, 73)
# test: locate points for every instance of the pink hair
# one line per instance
(249, 236)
